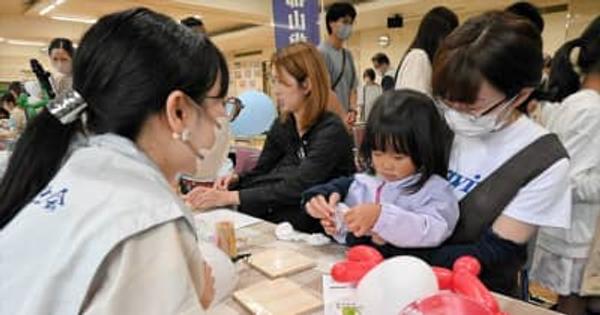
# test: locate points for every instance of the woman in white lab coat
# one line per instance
(561, 254)
(89, 221)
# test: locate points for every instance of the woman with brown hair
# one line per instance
(306, 145)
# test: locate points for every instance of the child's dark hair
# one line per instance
(408, 122)
(370, 73)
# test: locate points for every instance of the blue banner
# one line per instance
(296, 20)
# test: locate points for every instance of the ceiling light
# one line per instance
(74, 19)
(384, 40)
(51, 6)
(47, 9)
(25, 42)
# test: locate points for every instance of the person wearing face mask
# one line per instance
(307, 145)
(338, 60)
(61, 52)
(511, 176)
(90, 222)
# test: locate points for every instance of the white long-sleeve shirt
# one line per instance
(576, 121)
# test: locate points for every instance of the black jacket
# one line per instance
(288, 165)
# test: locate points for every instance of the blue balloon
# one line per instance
(256, 117)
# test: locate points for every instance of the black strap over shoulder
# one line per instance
(480, 208)
(339, 78)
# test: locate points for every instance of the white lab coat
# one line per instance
(576, 121)
(107, 235)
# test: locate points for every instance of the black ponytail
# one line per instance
(564, 80)
(125, 68)
(35, 160)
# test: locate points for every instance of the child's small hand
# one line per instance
(361, 219)
(377, 239)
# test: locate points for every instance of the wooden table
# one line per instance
(261, 236)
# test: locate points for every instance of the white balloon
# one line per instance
(395, 283)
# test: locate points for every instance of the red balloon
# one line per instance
(349, 271)
(469, 264)
(364, 253)
(446, 304)
(444, 277)
(360, 259)
(469, 285)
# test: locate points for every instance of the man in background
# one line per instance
(340, 64)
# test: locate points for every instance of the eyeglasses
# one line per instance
(490, 109)
(232, 105)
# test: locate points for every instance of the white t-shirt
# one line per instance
(415, 72)
(544, 201)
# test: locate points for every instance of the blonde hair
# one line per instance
(304, 62)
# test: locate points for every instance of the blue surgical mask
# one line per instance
(344, 32)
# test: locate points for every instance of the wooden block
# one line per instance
(280, 262)
(277, 297)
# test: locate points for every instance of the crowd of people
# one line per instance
(451, 163)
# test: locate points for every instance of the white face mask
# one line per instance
(470, 126)
(344, 32)
(63, 67)
(208, 167)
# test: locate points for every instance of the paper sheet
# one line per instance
(339, 298)
(240, 220)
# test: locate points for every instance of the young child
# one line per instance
(402, 199)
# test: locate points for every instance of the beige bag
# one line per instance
(591, 277)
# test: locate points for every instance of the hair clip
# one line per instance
(67, 107)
